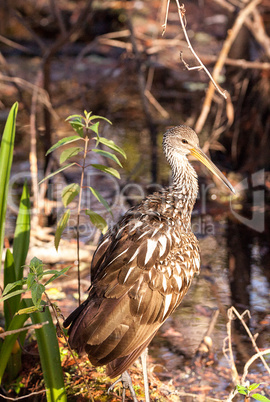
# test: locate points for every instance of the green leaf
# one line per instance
(6, 157)
(94, 117)
(112, 145)
(37, 290)
(107, 155)
(77, 126)
(9, 278)
(63, 141)
(74, 116)
(101, 199)
(29, 310)
(49, 355)
(13, 285)
(97, 220)
(30, 280)
(107, 169)
(56, 172)
(35, 263)
(56, 274)
(94, 127)
(253, 386)
(12, 294)
(69, 193)
(260, 398)
(22, 233)
(60, 228)
(242, 390)
(69, 153)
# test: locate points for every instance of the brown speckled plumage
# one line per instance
(142, 268)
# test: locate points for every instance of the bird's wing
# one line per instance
(141, 274)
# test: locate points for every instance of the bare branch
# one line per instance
(240, 317)
(164, 26)
(251, 360)
(181, 13)
(232, 33)
(26, 328)
(24, 396)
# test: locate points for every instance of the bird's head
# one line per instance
(180, 141)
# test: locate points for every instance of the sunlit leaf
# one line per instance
(12, 294)
(94, 117)
(69, 153)
(60, 228)
(112, 145)
(63, 141)
(74, 116)
(29, 310)
(260, 398)
(22, 233)
(242, 390)
(107, 155)
(6, 158)
(107, 169)
(253, 386)
(94, 127)
(69, 193)
(56, 172)
(97, 220)
(100, 199)
(13, 285)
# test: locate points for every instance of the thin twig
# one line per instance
(240, 317)
(23, 397)
(181, 13)
(256, 26)
(26, 328)
(228, 341)
(164, 26)
(15, 45)
(251, 360)
(232, 33)
(156, 104)
(86, 139)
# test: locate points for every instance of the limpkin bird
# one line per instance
(144, 265)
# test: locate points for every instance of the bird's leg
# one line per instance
(145, 376)
(127, 383)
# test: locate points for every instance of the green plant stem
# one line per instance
(86, 141)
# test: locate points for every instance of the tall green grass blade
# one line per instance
(9, 277)
(6, 157)
(22, 233)
(9, 341)
(49, 355)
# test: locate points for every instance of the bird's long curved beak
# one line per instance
(200, 155)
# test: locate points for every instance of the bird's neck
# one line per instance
(185, 190)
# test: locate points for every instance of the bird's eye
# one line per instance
(184, 141)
